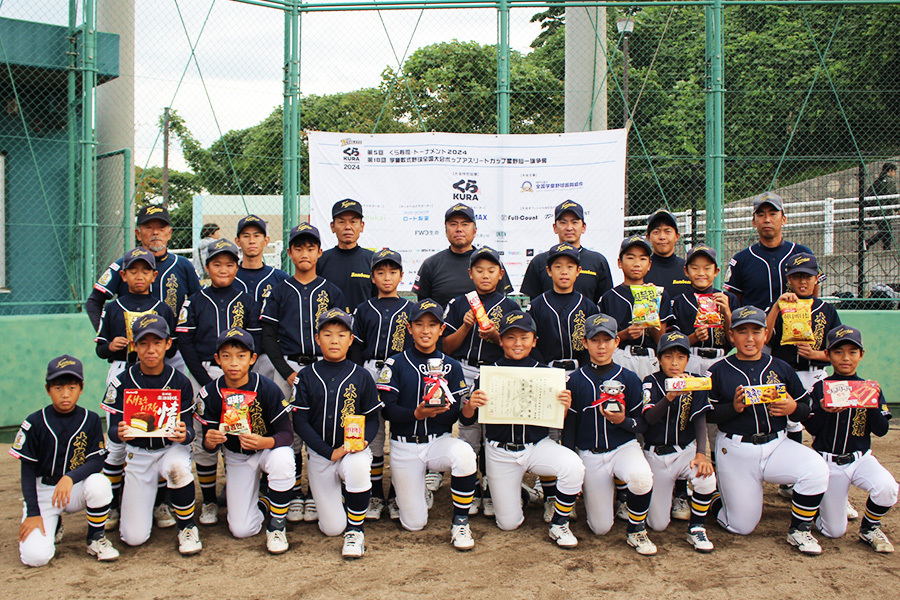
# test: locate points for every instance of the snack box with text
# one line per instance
(764, 394)
(688, 384)
(850, 394)
(355, 433)
(151, 413)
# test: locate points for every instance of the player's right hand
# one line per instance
(213, 437)
(702, 334)
(834, 409)
(787, 297)
(739, 399)
(469, 319)
(122, 432)
(675, 396)
(424, 411)
(291, 378)
(632, 333)
(29, 525)
(118, 343)
(339, 453)
(62, 493)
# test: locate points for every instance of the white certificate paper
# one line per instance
(522, 396)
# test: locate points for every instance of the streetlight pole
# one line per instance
(625, 26)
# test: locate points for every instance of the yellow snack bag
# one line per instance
(355, 432)
(796, 321)
(645, 311)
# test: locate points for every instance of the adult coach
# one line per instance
(445, 275)
(595, 277)
(666, 267)
(756, 274)
(348, 265)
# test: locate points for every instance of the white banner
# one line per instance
(406, 182)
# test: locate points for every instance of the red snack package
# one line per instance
(708, 314)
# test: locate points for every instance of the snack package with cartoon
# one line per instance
(764, 394)
(708, 314)
(355, 433)
(612, 396)
(484, 323)
(796, 320)
(850, 394)
(151, 413)
(236, 411)
(688, 384)
(130, 317)
(645, 311)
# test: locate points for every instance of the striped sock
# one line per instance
(804, 509)
(206, 475)
(278, 507)
(96, 516)
(621, 489)
(183, 505)
(462, 490)
(298, 462)
(699, 508)
(562, 508)
(548, 485)
(872, 515)
(115, 474)
(680, 490)
(376, 474)
(637, 510)
(162, 492)
(356, 503)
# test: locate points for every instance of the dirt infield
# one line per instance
(504, 565)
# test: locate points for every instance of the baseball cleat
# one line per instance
(640, 542)
(209, 513)
(877, 539)
(296, 510)
(696, 537)
(461, 537)
(102, 549)
(563, 536)
(852, 515)
(276, 541)
(60, 530)
(393, 509)
(804, 541)
(354, 544)
(376, 507)
(622, 511)
(573, 514)
(163, 516)
(487, 507)
(112, 521)
(310, 514)
(549, 509)
(434, 480)
(681, 509)
(476, 504)
(532, 494)
(786, 491)
(189, 541)
(429, 499)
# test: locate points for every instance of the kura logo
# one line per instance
(466, 190)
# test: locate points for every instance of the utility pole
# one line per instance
(165, 170)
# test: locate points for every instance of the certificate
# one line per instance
(522, 396)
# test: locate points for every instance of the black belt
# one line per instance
(475, 363)
(303, 359)
(756, 439)
(707, 352)
(843, 459)
(568, 365)
(510, 447)
(663, 449)
(639, 351)
(413, 439)
(600, 450)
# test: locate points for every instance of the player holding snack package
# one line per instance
(329, 397)
(842, 436)
(422, 390)
(266, 449)
(150, 458)
(752, 445)
(675, 441)
(601, 426)
(61, 452)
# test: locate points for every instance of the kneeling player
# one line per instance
(266, 448)
(675, 441)
(511, 450)
(326, 395)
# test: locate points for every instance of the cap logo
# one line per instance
(460, 207)
(152, 210)
(347, 203)
(138, 252)
(148, 321)
(332, 313)
(303, 227)
(800, 260)
(514, 318)
(635, 238)
(673, 336)
(384, 252)
(250, 218)
(600, 320)
(842, 332)
(221, 244)
(564, 247)
(568, 204)
(427, 304)
(233, 332)
(65, 362)
(746, 312)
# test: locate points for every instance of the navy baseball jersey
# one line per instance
(295, 306)
(824, 319)
(474, 348)
(586, 428)
(684, 314)
(594, 280)
(730, 372)
(176, 280)
(259, 283)
(270, 411)
(325, 393)
(112, 322)
(351, 271)
(849, 430)
(133, 378)
(757, 273)
(445, 275)
(559, 320)
(668, 271)
(619, 303)
(676, 428)
(379, 327)
(402, 386)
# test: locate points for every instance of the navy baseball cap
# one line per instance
(485, 253)
(768, 198)
(222, 247)
(148, 324)
(426, 306)
(252, 220)
(517, 320)
(136, 254)
(748, 314)
(701, 250)
(460, 209)
(64, 365)
(335, 315)
(635, 240)
(804, 262)
(673, 339)
(151, 212)
(600, 323)
(346, 205)
(304, 229)
(842, 334)
(661, 215)
(235, 335)
(386, 255)
(558, 250)
(568, 206)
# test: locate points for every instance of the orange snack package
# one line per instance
(236, 411)
(355, 432)
(484, 323)
(796, 321)
(708, 314)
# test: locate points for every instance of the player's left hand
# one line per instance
(703, 466)
(834, 409)
(180, 433)
(491, 335)
(254, 441)
(29, 525)
(783, 408)
(565, 398)
(675, 396)
(613, 417)
(721, 301)
(339, 453)
(62, 493)
(469, 319)
(122, 431)
(807, 352)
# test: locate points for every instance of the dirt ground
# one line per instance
(508, 565)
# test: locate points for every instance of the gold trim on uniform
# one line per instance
(257, 423)
(399, 337)
(349, 407)
(578, 331)
(172, 292)
(322, 302)
(79, 445)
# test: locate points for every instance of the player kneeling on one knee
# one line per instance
(752, 444)
(842, 436)
(247, 414)
(675, 441)
(422, 390)
(330, 399)
(61, 449)
(512, 450)
(601, 425)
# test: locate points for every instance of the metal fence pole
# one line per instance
(715, 125)
(503, 69)
(72, 127)
(290, 115)
(88, 144)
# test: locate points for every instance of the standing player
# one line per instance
(752, 446)
(348, 265)
(62, 477)
(666, 267)
(325, 395)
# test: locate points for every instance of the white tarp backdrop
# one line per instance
(407, 181)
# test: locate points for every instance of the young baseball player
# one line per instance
(842, 437)
(380, 331)
(675, 441)
(511, 450)
(420, 433)
(288, 320)
(601, 426)
(326, 393)
(61, 449)
(636, 346)
(266, 449)
(752, 445)
(150, 458)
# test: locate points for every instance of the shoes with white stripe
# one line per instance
(563, 536)
(354, 544)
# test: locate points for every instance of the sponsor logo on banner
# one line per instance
(348, 142)
(526, 187)
(518, 217)
(466, 190)
(425, 232)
